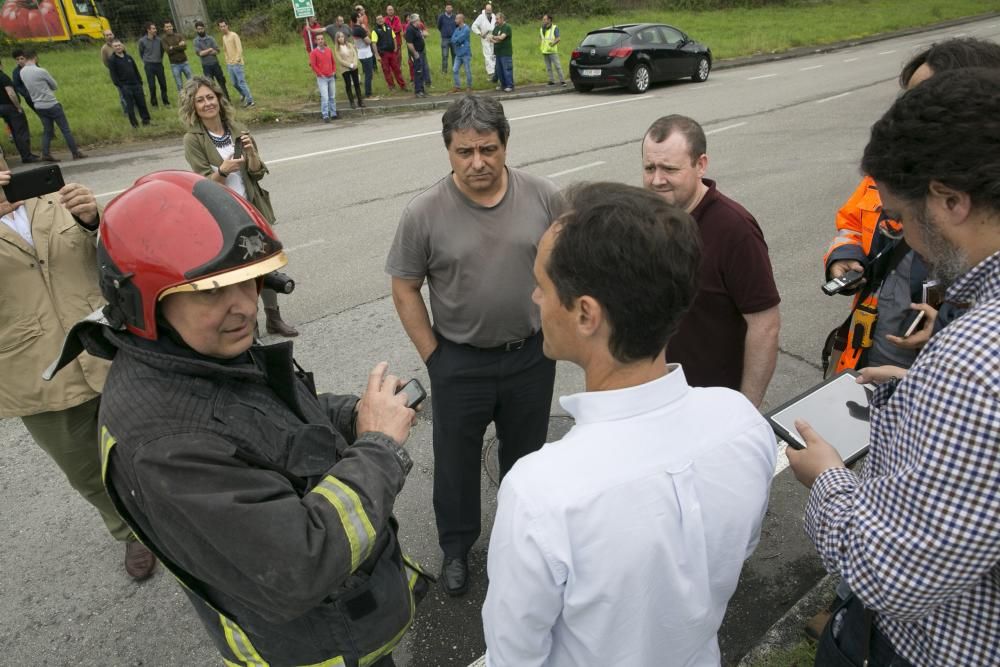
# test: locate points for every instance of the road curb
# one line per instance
(788, 630)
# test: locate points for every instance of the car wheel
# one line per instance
(639, 83)
(582, 87)
(701, 70)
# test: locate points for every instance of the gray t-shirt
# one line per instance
(41, 86)
(206, 42)
(478, 261)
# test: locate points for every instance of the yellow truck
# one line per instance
(52, 20)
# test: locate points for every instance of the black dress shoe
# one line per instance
(455, 576)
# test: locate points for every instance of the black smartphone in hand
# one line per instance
(844, 283)
(415, 393)
(33, 183)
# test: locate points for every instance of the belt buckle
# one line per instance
(514, 345)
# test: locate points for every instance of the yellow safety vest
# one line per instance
(548, 36)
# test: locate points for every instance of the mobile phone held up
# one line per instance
(844, 283)
(32, 183)
(238, 147)
(414, 391)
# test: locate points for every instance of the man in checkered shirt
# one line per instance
(916, 535)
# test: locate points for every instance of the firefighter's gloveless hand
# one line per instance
(842, 266)
(381, 409)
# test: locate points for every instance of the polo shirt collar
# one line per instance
(602, 406)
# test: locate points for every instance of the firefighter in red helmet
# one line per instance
(271, 505)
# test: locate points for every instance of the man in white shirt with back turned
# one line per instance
(621, 543)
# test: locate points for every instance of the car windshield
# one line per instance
(600, 39)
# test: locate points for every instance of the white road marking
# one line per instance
(109, 194)
(835, 97)
(574, 169)
(585, 106)
(961, 34)
(850, 60)
(806, 69)
(762, 76)
(885, 53)
(723, 129)
(305, 245)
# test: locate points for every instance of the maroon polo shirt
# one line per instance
(734, 278)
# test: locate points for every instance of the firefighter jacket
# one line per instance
(47, 286)
(258, 497)
(858, 239)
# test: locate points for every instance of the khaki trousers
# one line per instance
(70, 438)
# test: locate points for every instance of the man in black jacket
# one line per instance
(125, 76)
(271, 504)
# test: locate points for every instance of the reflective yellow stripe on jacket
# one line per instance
(107, 442)
(359, 530)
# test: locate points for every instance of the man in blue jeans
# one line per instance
(503, 49)
(41, 86)
(446, 24)
(232, 48)
(463, 53)
(176, 47)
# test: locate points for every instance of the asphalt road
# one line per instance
(785, 140)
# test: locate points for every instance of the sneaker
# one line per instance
(30, 158)
(456, 89)
(326, 120)
(249, 104)
(508, 90)
(353, 106)
(78, 155)
(552, 83)
(166, 103)
(48, 158)
(499, 87)
(562, 83)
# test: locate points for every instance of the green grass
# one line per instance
(802, 654)
(283, 84)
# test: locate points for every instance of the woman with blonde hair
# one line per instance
(218, 147)
(346, 56)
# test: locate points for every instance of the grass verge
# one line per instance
(283, 84)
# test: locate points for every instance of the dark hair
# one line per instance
(17, 53)
(355, 17)
(635, 254)
(147, 25)
(667, 125)
(199, 24)
(551, 18)
(218, 21)
(30, 54)
(947, 129)
(475, 112)
(953, 54)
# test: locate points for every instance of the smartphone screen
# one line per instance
(414, 391)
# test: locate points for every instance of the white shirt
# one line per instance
(234, 179)
(483, 26)
(18, 221)
(622, 543)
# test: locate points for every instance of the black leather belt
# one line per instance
(509, 346)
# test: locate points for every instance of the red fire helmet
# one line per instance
(176, 231)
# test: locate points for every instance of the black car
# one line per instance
(637, 55)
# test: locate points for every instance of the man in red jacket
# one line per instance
(321, 61)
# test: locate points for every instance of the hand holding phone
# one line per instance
(32, 183)
(911, 322)
(415, 393)
(844, 283)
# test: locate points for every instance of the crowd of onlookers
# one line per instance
(354, 50)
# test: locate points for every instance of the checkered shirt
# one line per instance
(917, 534)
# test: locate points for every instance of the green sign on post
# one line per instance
(303, 9)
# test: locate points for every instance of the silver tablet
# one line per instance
(837, 409)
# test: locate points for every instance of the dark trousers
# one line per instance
(154, 73)
(417, 68)
(135, 100)
(847, 648)
(469, 389)
(19, 128)
(215, 72)
(55, 116)
(351, 79)
(368, 66)
(390, 68)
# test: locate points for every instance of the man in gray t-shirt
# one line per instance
(42, 87)
(473, 236)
